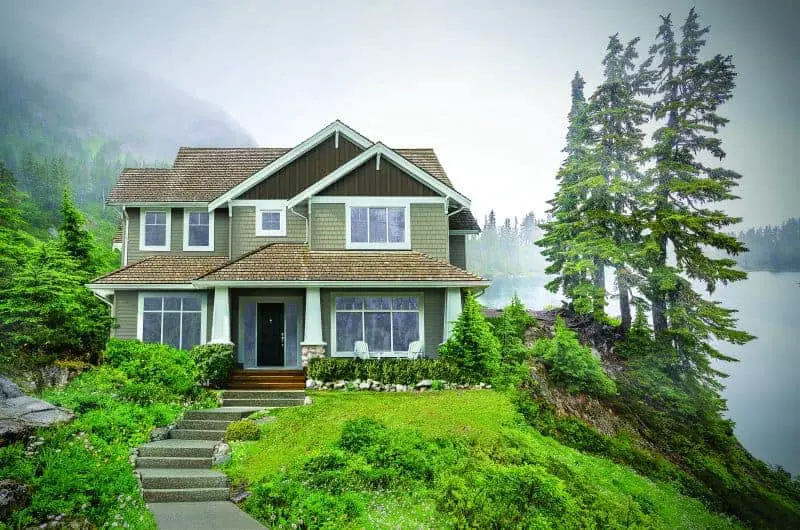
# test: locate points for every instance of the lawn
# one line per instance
(596, 491)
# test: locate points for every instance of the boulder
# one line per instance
(20, 415)
(364, 386)
(222, 454)
(425, 383)
(13, 496)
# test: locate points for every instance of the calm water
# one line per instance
(763, 390)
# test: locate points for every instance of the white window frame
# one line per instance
(196, 248)
(140, 311)
(266, 206)
(142, 232)
(417, 294)
(377, 202)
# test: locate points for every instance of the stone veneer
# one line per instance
(311, 351)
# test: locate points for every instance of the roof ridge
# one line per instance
(249, 253)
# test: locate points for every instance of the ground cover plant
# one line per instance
(80, 473)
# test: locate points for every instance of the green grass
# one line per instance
(496, 435)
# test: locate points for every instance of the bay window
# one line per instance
(378, 227)
(198, 230)
(387, 323)
(177, 320)
(154, 230)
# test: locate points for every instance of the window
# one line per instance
(198, 230)
(174, 319)
(155, 230)
(270, 222)
(387, 323)
(378, 227)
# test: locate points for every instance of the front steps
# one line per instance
(178, 469)
(253, 379)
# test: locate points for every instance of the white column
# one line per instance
(313, 329)
(221, 319)
(452, 309)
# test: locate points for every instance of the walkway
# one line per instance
(205, 515)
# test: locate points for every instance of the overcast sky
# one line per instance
(484, 83)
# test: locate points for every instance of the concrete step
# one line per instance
(196, 434)
(222, 413)
(263, 402)
(263, 394)
(179, 448)
(267, 386)
(173, 462)
(182, 478)
(185, 495)
(204, 425)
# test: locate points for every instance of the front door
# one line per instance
(270, 335)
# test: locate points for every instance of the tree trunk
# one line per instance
(624, 301)
(599, 281)
(659, 297)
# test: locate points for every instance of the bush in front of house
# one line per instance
(242, 430)
(472, 347)
(214, 363)
(572, 364)
(387, 371)
(153, 363)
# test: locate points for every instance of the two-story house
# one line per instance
(292, 253)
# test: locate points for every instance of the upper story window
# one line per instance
(378, 227)
(270, 222)
(198, 230)
(155, 230)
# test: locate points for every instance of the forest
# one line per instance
(772, 248)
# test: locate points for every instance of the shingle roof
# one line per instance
(296, 262)
(464, 220)
(163, 269)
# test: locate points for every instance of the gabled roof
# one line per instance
(295, 262)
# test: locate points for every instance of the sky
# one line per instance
(486, 84)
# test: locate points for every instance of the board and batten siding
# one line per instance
(176, 236)
(243, 230)
(428, 227)
(126, 308)
(433, 308)
(367, 181)
(458, 251)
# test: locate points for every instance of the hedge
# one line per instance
(388, 371)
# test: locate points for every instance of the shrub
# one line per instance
(389, 371)
(242, 430)
(153, 363)
(472, 347)
(517, 316)
(572, 364)
(214, 363)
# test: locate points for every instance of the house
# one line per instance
(292, 253)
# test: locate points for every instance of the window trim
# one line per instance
(145, 294)
(418, 294)
(270, 206)
(198, 248)
(142, 232)
(378, 202)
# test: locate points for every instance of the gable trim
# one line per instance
(380, 149)
(284, 160)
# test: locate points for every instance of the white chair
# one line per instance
(361, 350)
(415, 350)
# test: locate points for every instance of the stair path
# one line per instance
(176, 476)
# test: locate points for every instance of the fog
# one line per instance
(484, 83)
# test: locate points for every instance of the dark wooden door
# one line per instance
(270, 335)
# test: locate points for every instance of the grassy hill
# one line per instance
(441, 459)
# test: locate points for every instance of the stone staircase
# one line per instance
(178, 469)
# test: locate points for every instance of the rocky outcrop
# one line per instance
(20, 414)
(13, 496)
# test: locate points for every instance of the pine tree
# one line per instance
(684, 222)
(74, 239)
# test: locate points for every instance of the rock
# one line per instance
(307, 400)
(310, 383)
(21, 414)
(425, 383)
(338, 385)
(401, 388)
(239, 494)
(364, 386)
(222, 454)
(159, 433)
(13, 496)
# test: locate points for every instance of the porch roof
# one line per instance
(292, 262)
(163, 270)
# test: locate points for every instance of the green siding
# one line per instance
(244, 238)
(327, 226)
(458, 251)
(429, 230)
(126, 304)
(176, 236)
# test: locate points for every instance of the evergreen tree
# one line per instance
(472, 346)
(684, 223)
(74, 239)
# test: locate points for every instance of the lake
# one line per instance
(763, 388)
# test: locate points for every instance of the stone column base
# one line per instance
(311, 351)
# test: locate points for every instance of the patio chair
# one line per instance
(361, 350)
(415, 350)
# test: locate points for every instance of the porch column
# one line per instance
(452, 309)
(313, 345)
(221, 319)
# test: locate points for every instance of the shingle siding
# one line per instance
(458, 251)
(244, 238)
(126, 305)
(429, 230)
(176, 236)
(327, 226)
